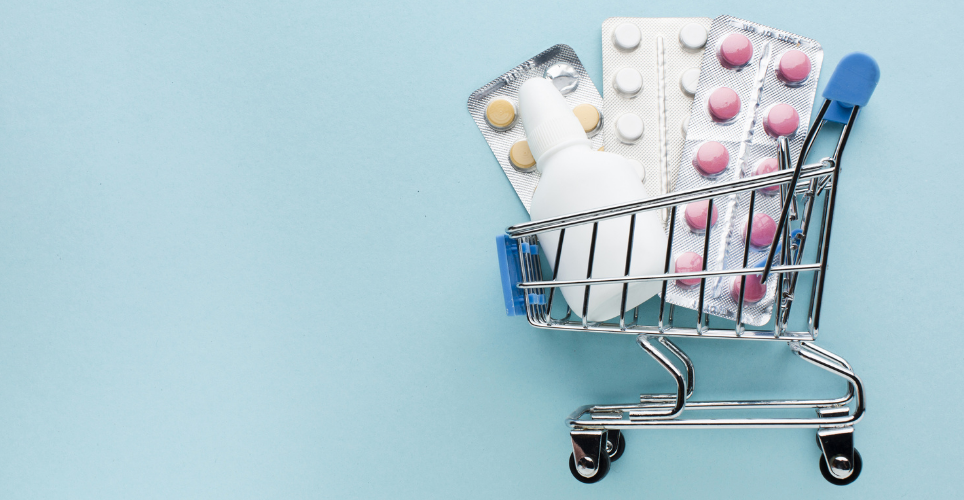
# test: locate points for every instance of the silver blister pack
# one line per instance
(664, 54)
(560, 64)
(765, 83)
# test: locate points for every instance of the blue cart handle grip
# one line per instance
(852, 83)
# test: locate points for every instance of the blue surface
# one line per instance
(246, 252)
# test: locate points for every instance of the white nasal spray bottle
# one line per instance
(577, 178)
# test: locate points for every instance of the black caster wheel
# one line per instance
(858, 464)
(615, 449)
(600, 472)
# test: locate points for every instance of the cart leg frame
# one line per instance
(833, 420)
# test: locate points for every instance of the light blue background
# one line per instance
(246, 251)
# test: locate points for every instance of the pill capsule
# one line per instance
(689, 262)
(766, 166)
(735, 51)
(500, 114)
(781, 120)
(628, 82)
(755, 289)
(588, 116)
(695, 216)
(794, 66)
(629, 128)
(711, 158)
(689, 80)
(521, 156)
(692, 37)
(723, 104)
(626, 37)
(763, 230)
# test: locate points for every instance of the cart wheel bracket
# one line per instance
(838, 450)
(587, 448)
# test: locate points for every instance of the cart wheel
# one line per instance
(858, 464)
(600, 472)
(615, 449)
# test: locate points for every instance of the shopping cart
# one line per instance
(809, 193)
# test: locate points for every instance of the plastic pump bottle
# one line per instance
(576, 178)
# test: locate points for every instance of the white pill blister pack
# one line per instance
(650, 75)
(495, 109)
(756, 84)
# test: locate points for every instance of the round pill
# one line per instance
(711, 158)
(601, 148)
(689, 262)
(688, 81)
(763, 230)
(735, 51)
(628, 82)
(626, 36)
(755, 289)
(686, 124)
(563, 77)
(521, 156)
(588, 116)
(695, 215)
(724, 104)
(794, 66)
(500, 113)
(766, 166)
(629, 128)
(781, 120)
(692, 36)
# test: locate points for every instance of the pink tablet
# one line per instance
(794, 67)
(711, 158)
(723, 104)
(695, 215)
(781, 120)
(735, 50)
(689, 262)
(755, 290)
(766, 166)
(763, 230)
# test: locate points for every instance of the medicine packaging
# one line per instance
(756, 85)
(495, 110)
(650, 75)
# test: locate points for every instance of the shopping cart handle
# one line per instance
(515, 301)
(852, 83)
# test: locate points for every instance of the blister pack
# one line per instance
(756, 85)
(650, 75)
(495, 109)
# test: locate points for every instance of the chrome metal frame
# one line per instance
(834, 416)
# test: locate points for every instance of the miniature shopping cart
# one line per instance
(809, 192)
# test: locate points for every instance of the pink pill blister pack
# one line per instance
(756, 84)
